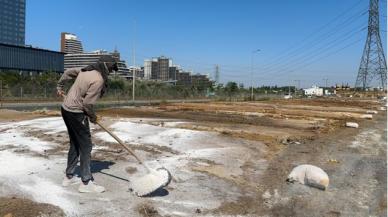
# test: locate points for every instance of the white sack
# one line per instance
(309, 175)
(352, 124)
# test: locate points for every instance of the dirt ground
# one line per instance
(241, 154)
(20, 207)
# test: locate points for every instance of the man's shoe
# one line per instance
(91, 187)
(67, 182)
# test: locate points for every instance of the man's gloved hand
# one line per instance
(89, 111)
(93, 119)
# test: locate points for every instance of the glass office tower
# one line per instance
(12, 21)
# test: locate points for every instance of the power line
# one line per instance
(332, 44)
(323, 27)
(319, 59)
(318, 39)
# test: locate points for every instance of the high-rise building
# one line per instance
(85, 59)
(12, 22)
(163, 72)
(172, 74)
(70, 43)
(147, 69)
(154, 69)
(14, 55)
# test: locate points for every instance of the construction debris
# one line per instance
(371, 112)
(351, 124)
(368, 116)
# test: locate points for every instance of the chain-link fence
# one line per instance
(16, 87)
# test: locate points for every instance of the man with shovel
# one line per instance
(90, 83)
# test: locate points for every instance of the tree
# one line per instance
(231, 88)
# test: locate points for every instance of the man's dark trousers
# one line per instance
(80, 143)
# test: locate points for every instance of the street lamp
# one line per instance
(253, 52)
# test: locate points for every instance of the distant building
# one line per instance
(172, 73)
(29, 59)
(163, 72)
(70, 43)
(12, 22)
(200, 80)
(75, 57)
(313, 91)
(139, 72)
(154, 69)
(157, 68)
(85, 59)
(14, 55)
(184, 78)
(147, 69)
(162, 69)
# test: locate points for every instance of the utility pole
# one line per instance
(298, 81)
(217, 75)
(133, 62)
(253, 52)
(373, 63)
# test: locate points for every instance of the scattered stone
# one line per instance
(131, 170)
(333, 161)
(198, 211)
(368, 116)
(371, 112)
(383, 108)
(147, 210)
(351, 124)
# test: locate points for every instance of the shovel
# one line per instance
(145, 185)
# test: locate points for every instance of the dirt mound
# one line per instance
(20, 207)
(12, 115)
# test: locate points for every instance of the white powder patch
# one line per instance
(179, 139)
(12, 164)
(45, 191)
(15, 138)
(21, 172)
(49, 125)
(369, 142)
(14, 133)
(174, 123)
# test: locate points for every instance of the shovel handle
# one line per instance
(119, 141)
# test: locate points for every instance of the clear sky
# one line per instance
(307, 40)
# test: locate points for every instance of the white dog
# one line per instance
(309, 175)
